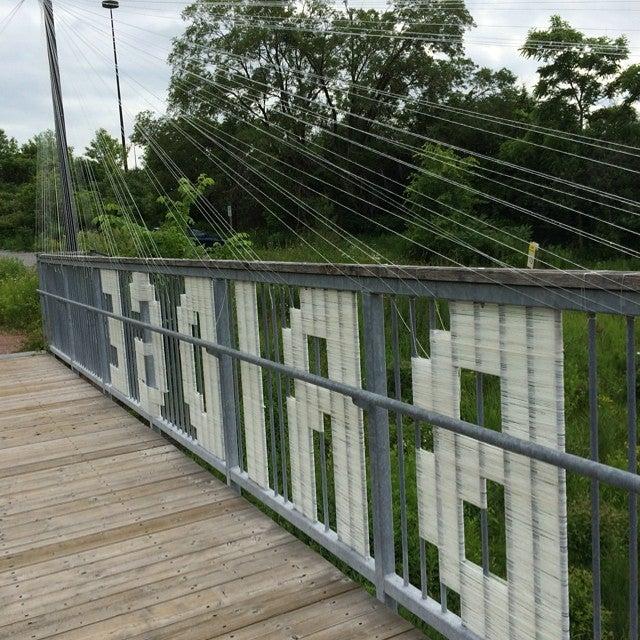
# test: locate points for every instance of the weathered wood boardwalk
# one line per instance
(108, 531)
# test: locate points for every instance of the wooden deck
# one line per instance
(108, 531)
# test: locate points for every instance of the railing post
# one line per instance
(71, 343)
(45, 312)
(101, 323)
(222, 304)
(379, 448)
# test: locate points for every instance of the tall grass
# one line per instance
(19, 303)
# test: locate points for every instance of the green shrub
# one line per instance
(19, 302)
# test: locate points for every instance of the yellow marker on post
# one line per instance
(533, 250)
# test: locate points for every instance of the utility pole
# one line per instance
(111, 5)
(68, 203)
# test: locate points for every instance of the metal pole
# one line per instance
(115, 59)
(379, 447)
(70, 217)
(222, 303)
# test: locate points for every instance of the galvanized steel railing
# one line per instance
(461, 518)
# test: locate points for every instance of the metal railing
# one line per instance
(460, 518)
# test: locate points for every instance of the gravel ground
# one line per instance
(26, 258)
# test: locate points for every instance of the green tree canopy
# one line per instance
(577, 70)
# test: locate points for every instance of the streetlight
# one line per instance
(111, 5)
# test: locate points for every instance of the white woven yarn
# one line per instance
(333, 316)
(252, 391)
(150, 351)
(205, 412)
(523, 346)
(111, 287)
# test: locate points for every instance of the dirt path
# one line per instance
(11, 342)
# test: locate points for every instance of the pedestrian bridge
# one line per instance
(410, 423)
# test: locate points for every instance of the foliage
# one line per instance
(19, 302)
(578, 70)
(447, 221)
(115, 233)
(17, 194)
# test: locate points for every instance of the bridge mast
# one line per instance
(68, 203)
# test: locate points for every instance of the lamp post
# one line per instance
(111, 5)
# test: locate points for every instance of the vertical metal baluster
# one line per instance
(276, 345)
(633, 468)
(170, 355)
(379, 446)
(71, 347)
(230, 423)
(103, 333)
(173, 370)
(45, 311)
(595, 485)
(417, 431)
(92, 332)
(171, 404)
(124, 281)
(272, 423)
(484, 513)
(323, 447)
(174, 300)
(287, 298)
(400, 436)
(236, 381)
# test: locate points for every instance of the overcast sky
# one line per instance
(145, 39)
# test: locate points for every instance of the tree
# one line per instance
(17, 193)
(295, 78)
(105, 150)
(577, 69)
(447, 223)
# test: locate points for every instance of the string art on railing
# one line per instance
(524, 348)
(196, 312)
(150, 360)
(331, 316)
(117, 358)
(521, 346)
(252, 391)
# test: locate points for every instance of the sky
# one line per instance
(145, 29)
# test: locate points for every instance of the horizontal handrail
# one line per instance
(366, 399)
(592, 291)
(566, 279)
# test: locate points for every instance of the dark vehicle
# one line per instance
(205, 239)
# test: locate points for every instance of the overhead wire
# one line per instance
(484, 194)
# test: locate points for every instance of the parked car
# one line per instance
(205, 239)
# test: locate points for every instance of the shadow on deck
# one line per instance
(109, 531)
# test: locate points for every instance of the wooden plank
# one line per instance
(97, 560)
(194, 563)
(139, 445)
(70, 546)
(113, 516)
(130, 501)
(259, 571)
(18, 457)
(73, 493)
(84, 572)
(87, 470)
